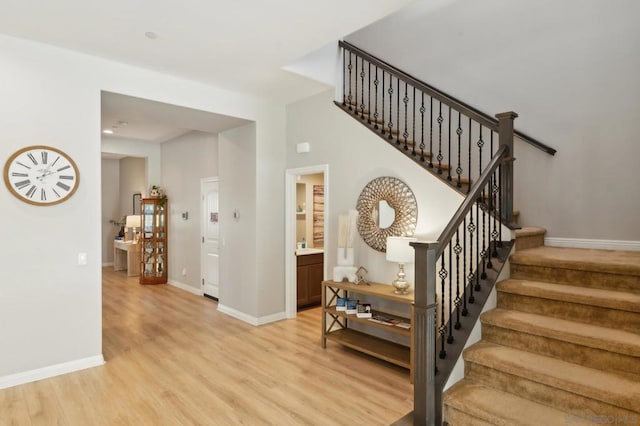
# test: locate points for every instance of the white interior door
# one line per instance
(210, 252)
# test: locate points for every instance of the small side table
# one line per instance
(126, 255)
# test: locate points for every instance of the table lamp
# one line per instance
(399, 250)
(133, 221)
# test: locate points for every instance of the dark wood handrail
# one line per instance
(468, 110)
(447, 234)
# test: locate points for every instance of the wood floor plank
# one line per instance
(173, 359)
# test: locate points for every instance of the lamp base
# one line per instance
(400, 284)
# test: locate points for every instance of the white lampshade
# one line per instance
(133, 221)
(399, 250)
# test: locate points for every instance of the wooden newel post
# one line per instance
(505, 132)
(424, 409)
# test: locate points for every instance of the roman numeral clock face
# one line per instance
(41, 175)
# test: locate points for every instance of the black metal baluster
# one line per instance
(390, 124)
(449, 152)
(431, 134)
(382, 98)
(439, 157)
(465, 311)
(369, 94)
(422, 110)
(355, 102)
(471, 277)
(450, 337)
(443, 328)
(405, 100)
(344, 77)
(499, 204)
(480, 144)
(435, 332)
(362, 75)
(481, 203)
(492, 208)
(459, 168)
(457, 250)
(350, 68)
(375, 114)
(398, 111)
(469, 173)
(413, 107)
(477, 260)
(483, 253)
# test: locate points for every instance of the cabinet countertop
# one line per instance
(306, 251)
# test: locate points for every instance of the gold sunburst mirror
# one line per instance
(386, 208)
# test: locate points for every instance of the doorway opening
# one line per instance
(306, 233)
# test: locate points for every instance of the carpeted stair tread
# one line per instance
(573, 378)
(596, 260)
(500, 408)
(593, 336)
(613, 299)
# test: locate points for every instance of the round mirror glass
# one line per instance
(384, 214)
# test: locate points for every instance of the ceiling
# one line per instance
(240, 45)
(134, 118)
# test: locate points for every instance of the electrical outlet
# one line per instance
(82, 259)
(184, 272)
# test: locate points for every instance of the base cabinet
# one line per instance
(310, 273)
(336, 323)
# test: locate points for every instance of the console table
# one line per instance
(335, 324)
(126, 255)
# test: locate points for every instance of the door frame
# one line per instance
(203, 181)
(290, 231)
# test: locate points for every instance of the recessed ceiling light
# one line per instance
(108, 131)
(122, 123)
(151, 35)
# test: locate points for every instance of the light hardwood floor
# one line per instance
(173, 359)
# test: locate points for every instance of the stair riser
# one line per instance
(456, 417)
(603, 317)
(554, 397)
(529, 241)
(588, 279)
(602, 359)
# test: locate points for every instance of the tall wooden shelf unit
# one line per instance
(153, 241)
(338, 328)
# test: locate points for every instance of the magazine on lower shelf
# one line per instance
(386, 320)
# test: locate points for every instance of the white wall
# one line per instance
(186, 160)
(133, 180)
(139, 149)
(238, 268)
(110, 206)
(355, 157)
(50, 308)
(568, 68)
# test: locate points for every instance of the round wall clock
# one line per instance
(41, 175)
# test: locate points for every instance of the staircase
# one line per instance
(563, 345)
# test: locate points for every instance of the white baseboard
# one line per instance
(105, 264)
(50, 371)
(186, 287)
(594, 244)
(250, 319)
